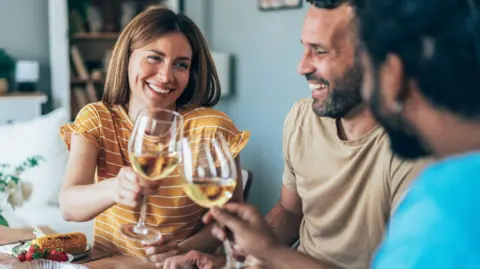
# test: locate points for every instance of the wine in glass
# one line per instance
(154, 152)
(210, 175)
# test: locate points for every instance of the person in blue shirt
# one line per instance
(421, 64)
(422, 80)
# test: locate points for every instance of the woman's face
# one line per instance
(159, 72)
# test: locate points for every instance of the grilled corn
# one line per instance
(72, 243)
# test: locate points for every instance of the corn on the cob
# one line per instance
(72, 243)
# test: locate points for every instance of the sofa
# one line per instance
(39, 136)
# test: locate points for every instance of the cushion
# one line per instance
(39, 136)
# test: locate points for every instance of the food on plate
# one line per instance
(36, 253)
(72, 243)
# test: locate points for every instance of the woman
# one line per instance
(161, 60)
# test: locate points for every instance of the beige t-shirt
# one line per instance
(348, 188)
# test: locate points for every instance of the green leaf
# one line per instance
(38, 255)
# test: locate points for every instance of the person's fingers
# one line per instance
(161, 248)
(180, 261)
(165, 238)
(227, 218)
(243, 211)
(160, 258)
(129, 180)
(219, 233)
(207, 218)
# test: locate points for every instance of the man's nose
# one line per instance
(305, 65)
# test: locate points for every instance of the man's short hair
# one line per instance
(330, 4)
(438, 42)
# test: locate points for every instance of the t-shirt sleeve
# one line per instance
(401, 175)
(289, 179)
(87, 125)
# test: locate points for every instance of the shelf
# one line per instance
(40, 96)
(96, 36)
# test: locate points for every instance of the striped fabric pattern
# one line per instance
(169, 210)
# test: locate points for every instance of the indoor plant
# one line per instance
(7, 67)
(13, 190)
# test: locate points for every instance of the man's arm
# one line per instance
(285, 217)
(285, 258)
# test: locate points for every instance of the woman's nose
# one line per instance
(165, 74)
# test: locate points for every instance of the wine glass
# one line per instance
(210, 174)
(154, 150)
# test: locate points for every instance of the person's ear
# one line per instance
(391, 77)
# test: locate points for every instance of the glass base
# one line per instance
(143, 235)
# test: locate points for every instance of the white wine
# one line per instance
(154, 167)
(210, 192)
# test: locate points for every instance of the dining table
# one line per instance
(97, 258)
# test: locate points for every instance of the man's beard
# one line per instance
(403, 140)
(344, 97)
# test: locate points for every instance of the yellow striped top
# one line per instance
(169, 210)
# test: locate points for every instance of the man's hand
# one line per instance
(195, 259)
(251, 234)
(165, 248)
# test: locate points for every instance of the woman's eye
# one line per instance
(153, 58)
(182, 65)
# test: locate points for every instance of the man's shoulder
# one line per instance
(300, 109)
(301, 116)
(458, 174)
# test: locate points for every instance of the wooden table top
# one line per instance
(8, 235)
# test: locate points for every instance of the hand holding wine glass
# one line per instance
(154, 153)
(130, 188)
(211, 177)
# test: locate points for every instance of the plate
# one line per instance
(83, 254)
(24, 247)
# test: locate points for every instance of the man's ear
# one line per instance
(391, 83)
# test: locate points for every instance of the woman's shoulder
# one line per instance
(93, 109)
(206, 115)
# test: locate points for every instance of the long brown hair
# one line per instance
(203, 88)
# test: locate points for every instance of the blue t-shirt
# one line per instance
(437, 225)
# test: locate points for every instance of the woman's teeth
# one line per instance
(317, 86)
(157, 89)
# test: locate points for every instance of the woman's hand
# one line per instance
(130, 187)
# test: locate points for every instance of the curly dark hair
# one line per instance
(438, 42)
(329, 4)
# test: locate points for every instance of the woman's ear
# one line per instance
(392, 83)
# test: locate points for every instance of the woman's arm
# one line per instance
(80, 199)
(203, 240)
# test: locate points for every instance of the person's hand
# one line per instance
(161, 250)
(251, 234)
(195, 259)
(130, 187)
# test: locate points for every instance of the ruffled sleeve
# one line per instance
(207, 121)
(237, 141)
(87, 125)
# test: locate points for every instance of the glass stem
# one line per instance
(140, 228)
(230, 260)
